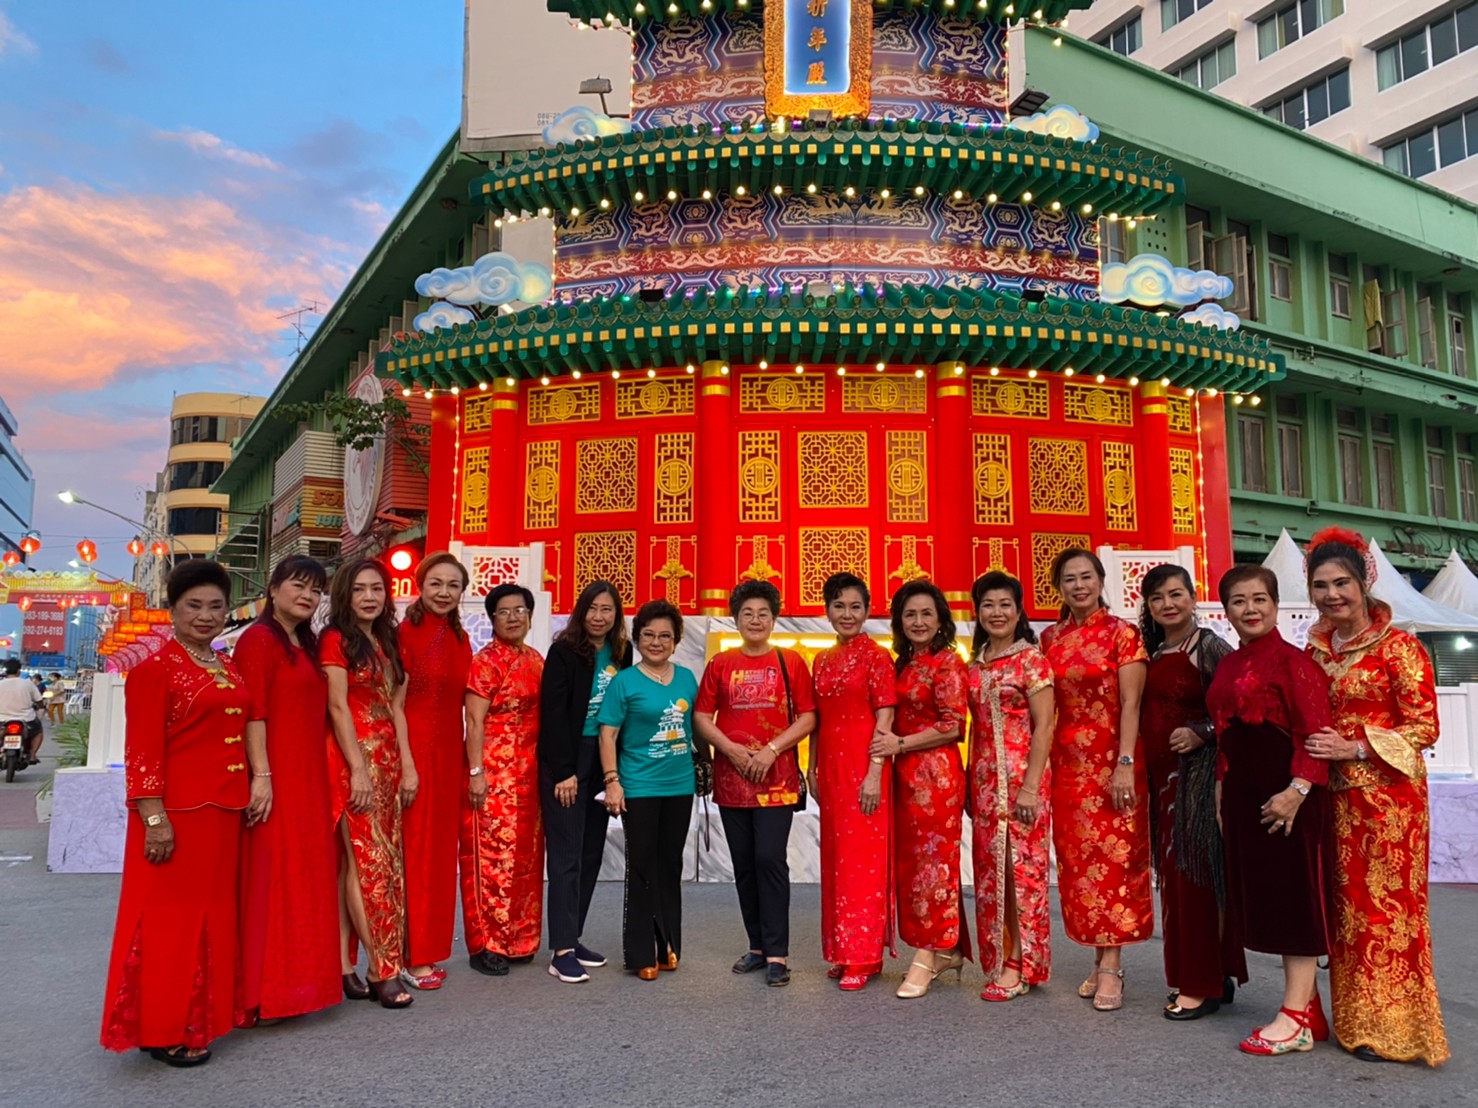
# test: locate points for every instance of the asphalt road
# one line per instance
(698, 1036)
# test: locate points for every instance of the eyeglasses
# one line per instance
(656, 636)
(510, 613)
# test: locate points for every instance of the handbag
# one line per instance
(800, 804)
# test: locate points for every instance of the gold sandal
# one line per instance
(1089, 988)
(1103, 1003)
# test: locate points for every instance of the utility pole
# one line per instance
(296, 315)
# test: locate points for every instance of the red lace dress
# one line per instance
(375, 835)
(436, 666)
(852, 682)
(1000, 694)
(1380, 955)
(929, 805)
(290, 864)
(1103, 856)
(172, 974)
(502, 845)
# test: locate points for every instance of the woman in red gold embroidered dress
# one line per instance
(1100, 812)
(1384, 699)
(1011, 705)
(374, 771)
(290, 863)
(172, 975)
(1267, 698)
(502, 841)
(853, 683)
(928, 785)
(437, 655)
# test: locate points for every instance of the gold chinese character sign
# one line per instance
(818, 56)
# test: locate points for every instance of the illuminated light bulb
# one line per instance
(640, 9)
(959, 194)
(959, 369)
(574, 211)
(604, 203)
(428, 394)
(651, 373)
(1134, 382)
(456, 391)
(841, 371)
(512, 219)
(1191, 393)
(811, 189)
(1256, 400)
(764, 364)
(707, 194)
(1032, 374)
(1211, 393)
(638, 196)
(886, 193)
(849, 192)
(990, 198)
(1236, 400)
(724, 370)
(689, 368)
(576, 374)
(615, 375)
(482, 386)
(544, 211)
(671, 9)
(1056, 206)
(1100, 378)
(918, 190)
(778, 190)
(1133, 223)
(672, 194)
(497, 223)
(1087, 209)
(741, 191)
(1026, 197)
(1165, 381)
(918, 373)
(1113, 217)
(1069, 371)
(405, 392)
(880, 367)
(800, 369)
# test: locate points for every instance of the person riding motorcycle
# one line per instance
(19, 699)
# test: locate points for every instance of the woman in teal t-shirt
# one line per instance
(646, 751)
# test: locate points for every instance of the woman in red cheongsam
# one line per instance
(1011, 705)
(502, 843)
(855, 694)
(1100, 811)
(928, 785)
(171, 978)
(374, 771)
(437, 656)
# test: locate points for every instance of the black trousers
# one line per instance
(758, 838)
(575, 843)
(656, 831)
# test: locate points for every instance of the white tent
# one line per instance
(1410, 609)
(1455, 586)
(1286, 561)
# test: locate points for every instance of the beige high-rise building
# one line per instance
(1397, 83)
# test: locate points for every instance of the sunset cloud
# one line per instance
(213, 146)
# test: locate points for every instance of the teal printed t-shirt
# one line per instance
(655, 746)
(605, 669)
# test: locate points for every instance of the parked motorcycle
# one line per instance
(13, 744)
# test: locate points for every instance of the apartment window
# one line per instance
(1467, 490)
(1351, 480)
(1419, 50)
(1426, 327)
(1291, 446)
(1436, 474)
(1125, 38)
(1313, 104)
(1383, 462)
(194, 521)
(1393, 331)
(1252, 446)
(1211, 68)
(1445, 143)
(1198, 237)
(1113, 243)
(199, 429)
(1339, 285)
(194, 475)
(1280, 268)
(1232, 255)
(1173, 11)
(1292, 21)
(1457, 330)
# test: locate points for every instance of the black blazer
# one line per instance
(564, 700)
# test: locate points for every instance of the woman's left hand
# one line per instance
(1027, 805)
(1279, 811)
(1121, 788)
(1183, 740)
(410, 784)
(760, 763)
(1327, 745)
(260, 806)
(885, 744)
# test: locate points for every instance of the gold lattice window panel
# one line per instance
(1120, 512)
(605, 475)
(641, 399)
(1096, 404)
(477, 413)
(541, 485)
(992, 475)
(995, 396)
(1046, 545)
(890, 393)
(759, 476)
(475, 490)
(1058, 473)
(672, 556)
(606, 556)
(908, 477)
(1180, 414)
(833, 468)
(828, 550)
(564, 404)
(674, 478)
(782, 392)
(1183, 490)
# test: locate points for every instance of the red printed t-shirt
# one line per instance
(746, 697)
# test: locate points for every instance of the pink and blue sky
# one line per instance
(172, 178)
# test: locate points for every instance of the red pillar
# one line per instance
(953, 495)
(1214, 499)
(505, 467)
(1156, 514)
(441, 489)
(718, 504)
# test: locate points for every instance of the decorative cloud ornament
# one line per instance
(1213, 315)
(496, 279)
(441, 314)
(580, 122)
(1060, 121)
(1151, 281)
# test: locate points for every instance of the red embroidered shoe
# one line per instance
(1301, 1040)
(1317, 1023)
(836, 972)
(854, 978)
(998, 994)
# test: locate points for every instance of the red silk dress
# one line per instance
(436, 666)
(502, 845)
(290, 864)
(375, 835)
(852, 681)
(1103, 856)
(929, 805)
(1000, 740)
(171, 979)
(1380, 954)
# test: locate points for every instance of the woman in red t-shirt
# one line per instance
(754, 707)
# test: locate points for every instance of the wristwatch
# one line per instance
(1126, 759)
(475, 771)
(1361, 754)
(1302, 790)
(155, 820)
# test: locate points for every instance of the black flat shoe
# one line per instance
(355, 988)
(391, 993)
(176, 1056)
(1368, 1054)
(750, 962)
(777, 975)
(494, 965)
(1228, 990)
(1208, 1007)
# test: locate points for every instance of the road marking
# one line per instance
(14, 859)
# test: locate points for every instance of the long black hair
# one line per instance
(999, 581)
(1155, 580)
(310, 571)
(1059, 564)
(577, 638)
(943, 638)
(358, 650)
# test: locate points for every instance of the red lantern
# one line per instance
(10, 558)
(87, 550)
(24, 603)
(30, 542)
(136, 546)
(6, 642)
(159, 549)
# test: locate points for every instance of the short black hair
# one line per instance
(754, 590)
(501, 592)
(1240, 575)
(655, 610)
(839, 583)
(12, 667)
(194, 574)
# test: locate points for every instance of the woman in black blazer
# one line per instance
(590, 651)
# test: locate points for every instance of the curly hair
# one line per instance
(944, 637)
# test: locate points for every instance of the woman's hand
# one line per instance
(410, 784)
(1121, 788)
(477, 790)
(811, 780)
(1027, 805)
(1327, 745)
(740, 758)
(159, 842)
(361, 790)
(885, 744)
(565, 791)
(1183, 740)
(870, 795)
(761, 761)
(260, 806)
(615, 798)
(1280, 809)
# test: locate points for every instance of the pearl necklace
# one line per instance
(212, 660)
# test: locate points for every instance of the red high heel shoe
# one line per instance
(1301, 1040)
(854, 978)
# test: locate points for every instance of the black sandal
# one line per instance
(356, 989)
(177, 1056)
(392, 993)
